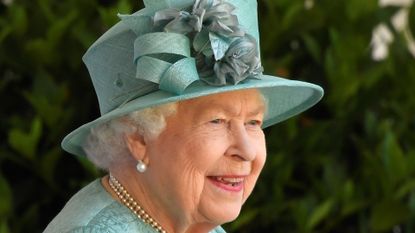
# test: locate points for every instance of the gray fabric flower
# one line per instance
(240, 62)
(215, 15)
(223, 51)
(173, 20)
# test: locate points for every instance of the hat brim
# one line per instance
(285, 98)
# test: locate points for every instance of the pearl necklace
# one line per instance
(128, 201)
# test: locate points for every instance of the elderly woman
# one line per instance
(183, 103)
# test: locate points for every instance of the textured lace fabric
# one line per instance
(93, 210)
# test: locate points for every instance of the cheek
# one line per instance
(191, 158)
(257, 166)
(205, 150)
(180, 178)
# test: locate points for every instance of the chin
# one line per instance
(224, 215)
(231, 217)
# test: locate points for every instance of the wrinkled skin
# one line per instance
(214, 136)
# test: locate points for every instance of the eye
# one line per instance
(254, 123)
(217, 121)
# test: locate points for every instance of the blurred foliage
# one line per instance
(347, 165)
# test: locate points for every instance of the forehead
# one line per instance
(249, 100)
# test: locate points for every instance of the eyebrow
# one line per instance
(227, 110)
(260, 109)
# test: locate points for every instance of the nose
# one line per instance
(241, 143)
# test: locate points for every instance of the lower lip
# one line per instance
(230, 188)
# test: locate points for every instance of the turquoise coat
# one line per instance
(93, 210)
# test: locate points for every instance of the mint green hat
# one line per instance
(173, 50)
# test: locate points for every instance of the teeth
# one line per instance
(229, 179)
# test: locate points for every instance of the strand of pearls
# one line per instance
(128, 201)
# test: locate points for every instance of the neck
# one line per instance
(171, 221)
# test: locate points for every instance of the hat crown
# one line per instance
(111, 60)
(134, 65)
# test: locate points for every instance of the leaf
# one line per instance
(412, 201)
(31, 214)
(6, 198)
(49, 163)
(244, 219)
(19, 19)
(292, 14)
(47, 98)
(405, 189)
(319, 213)
(393, 157)
(313, 47)
(26, 142)
(83, 34)
(356, 9)
(348, 190)
(351, 207)
(411, 18)
(88, 166)
(124, 6)
(388, 214)
(39, 52)
(4, 228)
(4, 31)
(59, 27)
(46, 11)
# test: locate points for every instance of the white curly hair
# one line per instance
(105, 144)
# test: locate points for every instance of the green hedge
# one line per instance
(347, 165)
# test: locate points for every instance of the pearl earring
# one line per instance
(141, 166)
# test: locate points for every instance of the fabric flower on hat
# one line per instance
(223, 51)
(215, 15)
(240, 61)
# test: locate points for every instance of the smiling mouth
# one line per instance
(233, 184)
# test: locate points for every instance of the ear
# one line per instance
(136, 144)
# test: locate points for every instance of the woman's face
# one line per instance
(204, 165)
